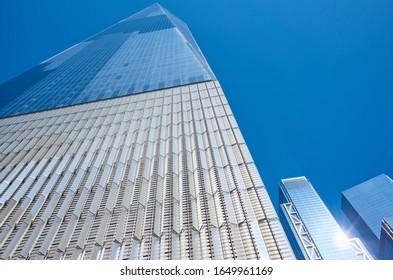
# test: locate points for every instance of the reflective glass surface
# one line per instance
(386, 246)
(144, 52)
(323, 228)
(372, 200)
(366, 204)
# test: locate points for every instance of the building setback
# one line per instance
(311, 229)
(124, 147)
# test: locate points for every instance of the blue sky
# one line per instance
(310, 82)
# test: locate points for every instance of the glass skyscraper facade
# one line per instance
(124, 147)
(147, 51)
(366, 205)
(311, 229)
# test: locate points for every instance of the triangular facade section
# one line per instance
(189, 39)
(149, 50)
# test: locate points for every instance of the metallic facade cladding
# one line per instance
(311, 229)
(365, 205)
(164, 174)
(144, 52)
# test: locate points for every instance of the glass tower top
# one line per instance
(312, 230)
(147, 51)
(372, 200)
(365, 205)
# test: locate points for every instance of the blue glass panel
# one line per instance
(142, 25)
(366, 204)
(320, 224)
(145, 52)
(365, 198)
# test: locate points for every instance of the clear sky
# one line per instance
(310, 82)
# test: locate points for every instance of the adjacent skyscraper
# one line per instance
(311, 229)
(124, 147)
(369, 207)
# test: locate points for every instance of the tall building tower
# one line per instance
(369, 208)
(311, 229)
(124, 147)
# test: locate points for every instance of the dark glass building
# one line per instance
(124, 147)
(311, 229)
(366, 205)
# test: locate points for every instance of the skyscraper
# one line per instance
(124, 147)
(311, 229)
(366, 205)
